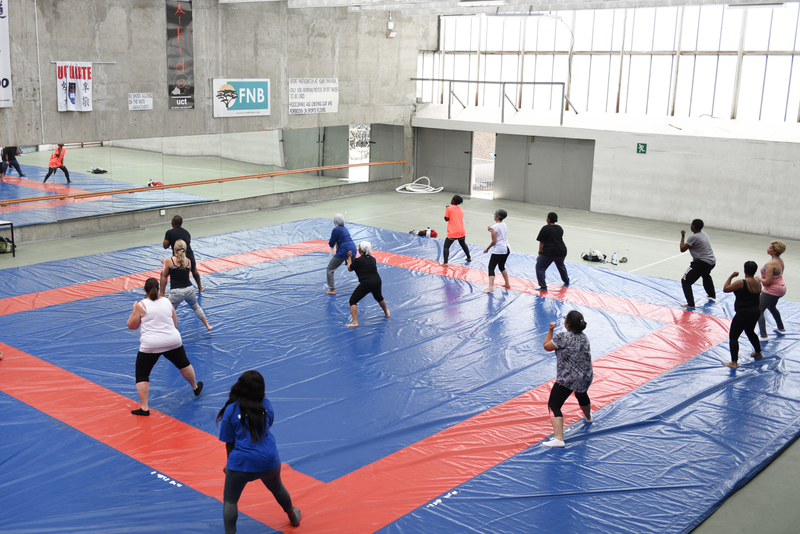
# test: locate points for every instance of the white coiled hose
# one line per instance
(416, 187)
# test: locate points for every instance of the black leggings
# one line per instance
(51, 170)
(461, 241)
(498, 260)
(745, 321)
(365, 289)
(559, 394)
(235, 481)
(145, 361)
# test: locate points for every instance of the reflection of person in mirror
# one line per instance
(57, 162)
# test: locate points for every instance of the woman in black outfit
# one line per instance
(747, 293)
(369, 281)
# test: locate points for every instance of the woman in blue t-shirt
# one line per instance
(340, 238)
(252, 453)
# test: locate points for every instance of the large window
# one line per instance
(690, 61)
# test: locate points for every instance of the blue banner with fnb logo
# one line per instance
(241, 98)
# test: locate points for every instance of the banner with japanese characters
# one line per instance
(5, 58)
(74, 86)
(180, 54)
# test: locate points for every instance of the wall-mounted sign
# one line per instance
(641, 148)
(140, 101)
(313, 95)
(5, 58)
(180, 54)
(74, 81)
(241, 98)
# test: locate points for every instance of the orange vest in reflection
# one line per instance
(57, 159)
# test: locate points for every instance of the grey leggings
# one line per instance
(235, 481)
(334, 264)
(768, 302)
(176, 296)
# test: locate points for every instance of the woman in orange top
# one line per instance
(57, 162)
(455, 228)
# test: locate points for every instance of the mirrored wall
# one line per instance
(119, 165)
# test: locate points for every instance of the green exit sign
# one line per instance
(641, 148)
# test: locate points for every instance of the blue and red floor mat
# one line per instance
(45, 211)
(428, 421)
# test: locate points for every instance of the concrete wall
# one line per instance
(241, 40)
(736, 184)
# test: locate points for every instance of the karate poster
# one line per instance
(74, 86)
(5, 58)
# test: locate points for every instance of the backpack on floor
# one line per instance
(6, 246)
(594, 255)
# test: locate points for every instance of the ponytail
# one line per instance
(180, 253)
(151, 288)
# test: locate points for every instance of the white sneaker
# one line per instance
(763, 339)
(779, 330)
(554, 443)
(589, 418)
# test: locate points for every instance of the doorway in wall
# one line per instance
(483, 157)
(359, 152)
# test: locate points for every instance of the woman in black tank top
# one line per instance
(177, 269)
(747, 293)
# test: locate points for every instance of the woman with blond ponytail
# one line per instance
(178, 269)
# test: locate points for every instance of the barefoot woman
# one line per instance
(748, 292)
(369, 281)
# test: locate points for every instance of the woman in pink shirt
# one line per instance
(455, 228)
(774, 288)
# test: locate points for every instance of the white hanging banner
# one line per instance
(74, 86)
(5, 58)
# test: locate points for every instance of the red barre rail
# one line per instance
(4, 203)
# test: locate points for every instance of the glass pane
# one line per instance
(461, 69)
(613, 84)
(603, 28)
(449, 66)
(683, 95)
(491, 97)
(448, 37)
(544, 73)
(560, 66)
(596, 95)
(757, 30)
(509, 71)
(775, 88)
(793, 107)
(660, 80)
(619, 22)
(643, 29)
(531, 33)
(584, 27)
(750, 86)
(665, 28)
(494, 34)
(703, 90)
(511, 33)
(726, 78)
(636, 87)
(546, 34)
(710, 26)
(463, 37)
(784, 24)
(579, 86)
(563, 29)
(731, 29)
(691, 15)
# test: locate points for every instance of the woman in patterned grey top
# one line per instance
(573, 372)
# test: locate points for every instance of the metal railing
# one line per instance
(451, 94)
(4, 203)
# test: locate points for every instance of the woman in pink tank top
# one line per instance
(774, 288)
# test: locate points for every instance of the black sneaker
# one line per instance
(198, 389)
